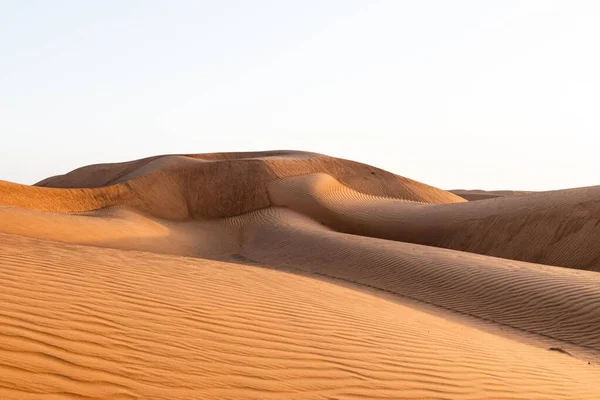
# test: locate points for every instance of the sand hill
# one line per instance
(476, 194)
(293, 275)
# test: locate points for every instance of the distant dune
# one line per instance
(196, 186)
(293, 275)
(474, 195)
(554, 228)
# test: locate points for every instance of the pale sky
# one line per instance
(457, 94)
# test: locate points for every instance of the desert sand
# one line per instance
(478, 194)
(292, 275)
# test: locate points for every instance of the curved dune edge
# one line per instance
(559, 228)
(107, 174)
(192, 187)
(139, 325)
(553, 228)
(554, 303)
(369, 311)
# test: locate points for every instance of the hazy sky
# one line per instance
(457, 94)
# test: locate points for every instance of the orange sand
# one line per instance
(292, 275)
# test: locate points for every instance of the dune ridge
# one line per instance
(295, 275)
(130, 338)
(561, 304)
(555, 302)
(189, 187)
(554, 228)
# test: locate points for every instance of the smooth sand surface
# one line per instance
(292, 275)
(477, 194)
(555, 228)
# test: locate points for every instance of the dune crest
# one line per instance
(292, 275)
(190, 187)
(554, 228)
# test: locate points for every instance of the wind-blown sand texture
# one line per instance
(292, 275)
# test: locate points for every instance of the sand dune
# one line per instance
(561, 304)
(476, 194)
(189, 187)
(553, 302)
(82, 322)
(552, 228)
(555, 228)
(292, 275)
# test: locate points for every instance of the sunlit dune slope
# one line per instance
(556, 228)
(327, 279)
(202, 186)
(85, 322)
(550, 302)
(553, 228)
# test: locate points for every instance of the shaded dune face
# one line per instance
(555, 228)
(288, 274)
(552, 228)
(203, 186)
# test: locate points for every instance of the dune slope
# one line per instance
(84, 322)
(554, 228)
(190, 187)
(292, 275)
(550, 302)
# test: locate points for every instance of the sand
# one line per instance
(477, 194)
(292, 275)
